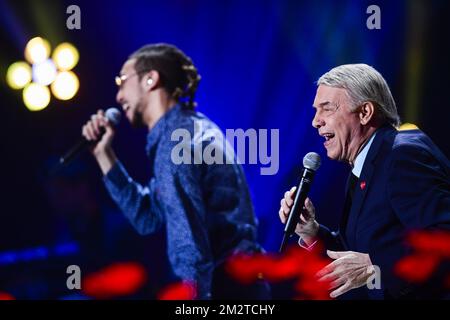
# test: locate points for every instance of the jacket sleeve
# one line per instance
(137, 203)
(419, 189)
(186, 216)
(330, 239)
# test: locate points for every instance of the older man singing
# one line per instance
(399, 182)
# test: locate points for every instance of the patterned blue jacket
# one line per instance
(205, 208)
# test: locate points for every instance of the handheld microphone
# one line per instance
(113, 115)
(311, 162)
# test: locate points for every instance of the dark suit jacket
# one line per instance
(404, 186)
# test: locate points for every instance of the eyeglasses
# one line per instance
(121, 79)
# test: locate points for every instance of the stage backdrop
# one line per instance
(259, 61)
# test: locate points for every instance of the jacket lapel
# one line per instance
(363, 184)
(345, 214)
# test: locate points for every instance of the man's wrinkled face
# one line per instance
(131, 95)
(334, 120)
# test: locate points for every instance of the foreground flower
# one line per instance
(184, 290)
(297, 265)
(116, 280)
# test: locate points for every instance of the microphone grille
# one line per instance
(311, 161)
(113, 115)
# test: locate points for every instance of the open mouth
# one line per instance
(125, 107)
(328, 138)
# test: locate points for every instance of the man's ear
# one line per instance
(150, 80)
(366, 112)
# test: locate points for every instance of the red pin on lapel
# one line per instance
(362, 185)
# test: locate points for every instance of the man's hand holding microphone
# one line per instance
(349, 270)
(307, 227)
(100, 131)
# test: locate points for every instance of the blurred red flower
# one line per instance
(437, 242)
(430, 249)
(184, 290)
(296, 264)
(6, 296)
(311, 289)
(116, 280)
(416, 268)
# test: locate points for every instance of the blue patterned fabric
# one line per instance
(205, 208)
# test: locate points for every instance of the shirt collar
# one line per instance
(361, 157)
(155, 133)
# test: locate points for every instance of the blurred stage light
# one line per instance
(37, 50)
(65, 85)
(65, 56)
(36, 96)
(18, 75)
(45, 72)
(408, 126)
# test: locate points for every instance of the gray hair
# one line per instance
(363, 83)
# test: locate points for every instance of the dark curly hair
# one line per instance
(178, 75)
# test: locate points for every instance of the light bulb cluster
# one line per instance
(41, 72)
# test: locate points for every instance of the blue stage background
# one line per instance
(259, 61)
